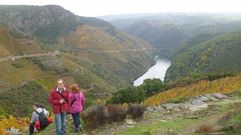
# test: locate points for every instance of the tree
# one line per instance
(151, 86)
(128, 95)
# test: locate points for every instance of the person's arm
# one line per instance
(68, 99)
(46, 112)
(82, 99)
(34, 118)
(52, 100)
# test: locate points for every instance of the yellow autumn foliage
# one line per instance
(225, 85)
(18, 123)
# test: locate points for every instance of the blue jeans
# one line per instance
(60, 123)
(76, 118)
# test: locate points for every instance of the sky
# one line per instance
(111, 7)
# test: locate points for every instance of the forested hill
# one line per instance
(218, 55)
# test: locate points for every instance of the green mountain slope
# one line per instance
(218, 55)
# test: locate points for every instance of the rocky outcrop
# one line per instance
(30, 18)
(193, 104)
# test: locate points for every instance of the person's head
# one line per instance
(60, 84)
(74, 88)
(35, 106)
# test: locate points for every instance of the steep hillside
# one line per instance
(13, 43)
(87, 51)
(45, 22)
(159, 33)
(218, 55)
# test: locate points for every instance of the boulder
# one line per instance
(197, 101)
(220, 96)
(210, 97)
(203, 98)
(192, 107)
(13, 131)
(130, 122)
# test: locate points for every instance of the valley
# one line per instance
(175, 60)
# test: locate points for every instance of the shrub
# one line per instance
(204, 128)
(151, 86)
(128, 95)
(136, 110)
(117, 113)
(95, 116)
(215, 76)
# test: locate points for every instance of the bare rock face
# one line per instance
(30, 18)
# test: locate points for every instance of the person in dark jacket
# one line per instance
(59, 98)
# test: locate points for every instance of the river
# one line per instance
(156, 71)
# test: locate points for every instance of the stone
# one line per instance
(197, 102)
(130, 122)
(220, 96)
(164, 121)
(210, 97)
(192, 107)
(171, 107)
(13, 131)
(203, 98)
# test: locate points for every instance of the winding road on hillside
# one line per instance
(113, 51)
(57, 52)
(9, 58)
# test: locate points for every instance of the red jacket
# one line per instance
(55, 98)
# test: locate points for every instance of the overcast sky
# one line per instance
(110, 7)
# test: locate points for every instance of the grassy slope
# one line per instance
(13, 45)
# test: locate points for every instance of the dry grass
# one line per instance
(204, 128)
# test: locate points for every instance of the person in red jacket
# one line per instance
(59, 98)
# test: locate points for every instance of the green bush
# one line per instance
(151, 86)
(128, 95)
